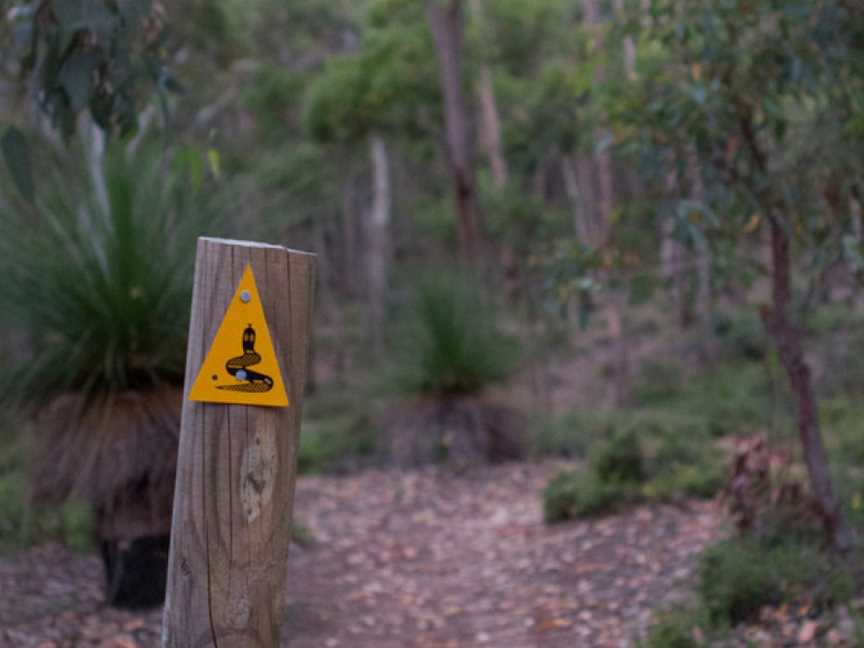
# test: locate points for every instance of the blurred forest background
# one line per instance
(625, 236)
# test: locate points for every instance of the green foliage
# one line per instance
(274, 91)
(335, 442)
(302, 535)
(646, 457)
(16, 154)
(620, 459)
(658, 380)
(102, 283)
(389, 86)
(738, 577)
(92, 54)
(741, 335)
(840, 351)
(450, 341)
(727, 399)
(581, 493)
(574, 433)
(22, 524)
(674, 629)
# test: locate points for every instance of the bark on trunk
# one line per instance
(491, 128)
(447, 24)
(672, 253)
(605, 207)
(378, 238)
(490, 120)
(349, 237)
(629, 45)
(787, 337)
(578, 208)
(704, 261)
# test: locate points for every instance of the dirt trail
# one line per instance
(424, 558)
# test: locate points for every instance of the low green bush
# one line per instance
(741, 335)
(658, 380)
(701, 480)
(22, 524)
(739, 576)
(573, 434)
(336, 442)
(675, 629)
(728, 399)
(840, 370)
(620, 459)
(651, 458)
(575, 494)
(844, 436)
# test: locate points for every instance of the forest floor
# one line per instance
(424, 558)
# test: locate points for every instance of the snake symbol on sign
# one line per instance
(238, 367)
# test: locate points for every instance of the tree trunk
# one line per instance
(447, 24)
(349, 237)
(787, 337)
(578, 207)
(629, 45)
(605, 206)
(491, 128)
(490, 120)
(704, 260)
(378, 238)
(672, 253)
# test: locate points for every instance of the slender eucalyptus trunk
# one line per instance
(578, 208)
(788, 338)
(672, 253)
(378, 238)
(614, 307)
(704, 261)
(490, 119)
(349, 237)
(446, 19)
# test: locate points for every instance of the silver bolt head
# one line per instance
(245, 297)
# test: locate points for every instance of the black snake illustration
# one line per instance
(238, 367)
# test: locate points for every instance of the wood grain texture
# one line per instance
(237, 464)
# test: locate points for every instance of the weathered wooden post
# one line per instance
(245, 375)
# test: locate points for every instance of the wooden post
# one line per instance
(237, 463)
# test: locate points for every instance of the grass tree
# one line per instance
(448, 350)
(100, 282)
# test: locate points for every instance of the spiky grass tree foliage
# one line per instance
(448, 350)
(451, 343)
(98, 276)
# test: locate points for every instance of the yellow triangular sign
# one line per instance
(241, 366)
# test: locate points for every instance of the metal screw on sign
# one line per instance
(245, 296)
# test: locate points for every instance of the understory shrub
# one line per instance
(23, 524)
(336, 442)
(675, 629)
(741, 335)
(728, 399)
(449, 342)
(649, 458)
(575, 494)
(339, 430)
(739, 576)
(449, 347)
